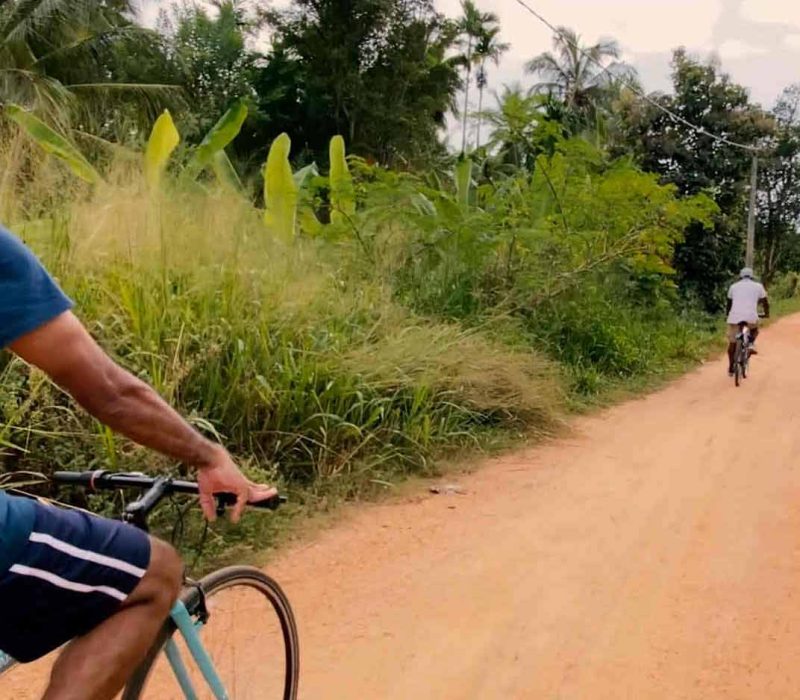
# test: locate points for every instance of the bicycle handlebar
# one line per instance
(155, 489)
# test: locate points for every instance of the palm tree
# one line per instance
(513, 123)
(56, 57)
(488, 48)
(578, 75)
(473, 24)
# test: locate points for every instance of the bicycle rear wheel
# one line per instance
(737, 363)
(250, 633)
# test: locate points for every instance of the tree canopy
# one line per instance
(697, 162)
(82, 61)
(376, 71)
(390, 76)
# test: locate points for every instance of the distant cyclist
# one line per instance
(744, 297)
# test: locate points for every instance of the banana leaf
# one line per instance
(53, 143)
(220, 135)
(306, 217)
(463, 180)
(343, 204)
(303, 176)
(226, 173)
(309, 223)
(164, 138)
(280, 190)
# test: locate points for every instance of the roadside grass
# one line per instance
(322, 372)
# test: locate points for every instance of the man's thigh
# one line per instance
(74, 572)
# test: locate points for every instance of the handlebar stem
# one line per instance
(136, 513)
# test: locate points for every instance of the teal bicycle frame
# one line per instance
(189, 630)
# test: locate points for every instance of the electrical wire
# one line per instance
(633, 87)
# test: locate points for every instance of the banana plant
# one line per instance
(54, 143)
(288, 196)
(463, 180)
(218, 138)
(280, 190)
(342, 196)
(303, 178)
(164, 139)
(226, 172)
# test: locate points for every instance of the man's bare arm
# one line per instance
(65, 351)
(69, 355)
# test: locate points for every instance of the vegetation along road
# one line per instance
(350, 240)
(652, 553)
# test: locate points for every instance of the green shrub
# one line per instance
(304, 368)
(785, 286)
(424, 321)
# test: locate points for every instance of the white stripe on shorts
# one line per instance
(78, 553)
(23, 570)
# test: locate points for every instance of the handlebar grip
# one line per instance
(271, 503)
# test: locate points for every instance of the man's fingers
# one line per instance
(261, 493)
(208, 507)
(254, 494)
(238, 508)
(247, 493)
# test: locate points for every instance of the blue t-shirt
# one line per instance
(29, 298)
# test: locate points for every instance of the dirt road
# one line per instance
(653, 554)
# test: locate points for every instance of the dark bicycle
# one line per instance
(236, 624)
(743, 352)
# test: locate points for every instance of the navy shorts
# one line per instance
(74, 572)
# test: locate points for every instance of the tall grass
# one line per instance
(332, 365)
(296, 359)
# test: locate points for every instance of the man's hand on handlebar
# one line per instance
(221, 475)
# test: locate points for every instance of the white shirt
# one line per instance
(745, 295)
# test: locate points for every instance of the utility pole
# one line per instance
(751, 216)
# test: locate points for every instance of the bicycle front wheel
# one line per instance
(250, 635)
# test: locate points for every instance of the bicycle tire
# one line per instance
(737, 363)
(213, 583)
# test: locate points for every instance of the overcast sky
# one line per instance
(758, 41)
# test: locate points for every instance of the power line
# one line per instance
(631, 86)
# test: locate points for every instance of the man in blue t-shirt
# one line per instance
(66, 575)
